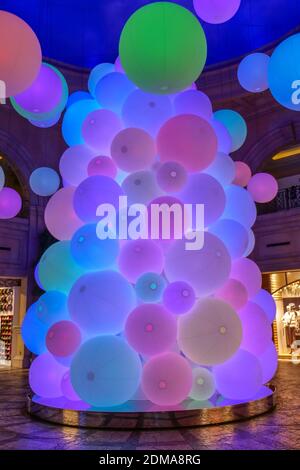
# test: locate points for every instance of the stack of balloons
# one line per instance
(145, 319)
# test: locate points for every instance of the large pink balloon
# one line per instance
(234, 293)
(63, 338)
(133, 149)
(263, 187)
(100, 128)
(242, 174)
(248, 273)
(138, 257)
(257, 331)
(74, 162)
(10, 203)
(216, 11)
(188, 140)
(60, 217)
(167, 379)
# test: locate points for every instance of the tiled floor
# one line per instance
(279, 429)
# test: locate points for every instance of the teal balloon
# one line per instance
(97, 73)
(150, 287)
(73, 120)
(235, 125)
(44, 181)
(284, 73)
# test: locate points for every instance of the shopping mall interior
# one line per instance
(75, 36)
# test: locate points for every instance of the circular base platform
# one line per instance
(144, 415)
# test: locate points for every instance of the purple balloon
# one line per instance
(268, 361)
(248, 273)
(223, 137)
(10, 203)
(67, 388)
(99, 129)
(179, 297)
(265, 300)
(45, 376)
(140, 256)
(171, 177)
(216, 11)
(257, 331)
(193, 102)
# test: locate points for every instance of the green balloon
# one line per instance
(163, 48)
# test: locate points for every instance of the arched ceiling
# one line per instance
(86, 32)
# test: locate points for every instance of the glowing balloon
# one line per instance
(193, 102)
(233, 235)
(169, 27)
(57, 268)
(97, 74)
(45, 98)
(216, 11)
(118, 65)
(222, 169)
(253, 72)
(233, 293)
(171, 177)
(263, 187)
(67, 388)
(99, 129)
(91, 193)
(223, 137)
(106, 371)
(160, 379)
(2, 178)
(268, 362)
(100, 302)
(45, 376)
(151, 329)
(257, 332)
(240, 377)
(141, 187)
(133, 149)
(242, 174)
(63, 338)
(45, 124)
(73, 165)
(78, 96)
(189, 140)
(102, 166)
(211, 333)
(138, 257)
(21, 54)
(266, 302)
(205, 269)
(251, 243)
(74, 118)
(52, 307)
(90, 251)
(206, 190)
(236, 126)
(112, 91)
(146, 111)
(10, 203)
(248, 273)
(44, 181)
(149, 287)
(284, 79)
(239, 206)
(179, 297)
(203, 384)
(60, 217)
(34, 331)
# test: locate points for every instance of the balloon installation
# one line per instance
(125, 313)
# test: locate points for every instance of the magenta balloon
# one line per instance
(99, 129)
(193, 102)
(63, 338)
(269, 362)
(179, 297)
(216, 11)
(266, 302)
(141, 187)
(233, 293)
(45, 376)
(133, 149)
(138, 257)
(188, 140)
(60, 217)
(205, 270)
(171, 177)
(263, 187)
(74, 163)
(92, 192)
(150, 329)
(67, 388)
(248, 273)
(10, 203)
(240, 377)
(206, 190)
(167, 379)
(223, 137)
(257, 331)
(102, 166)
(242, 174)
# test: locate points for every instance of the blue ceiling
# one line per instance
(86, 32)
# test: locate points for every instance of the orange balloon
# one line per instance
(20, 54)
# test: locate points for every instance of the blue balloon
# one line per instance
(97, 73)
(150, 287)
(73, 120)
(253, 72)
(90, 251)
(34, 331)
(284, 73)
(78, 96)
(106, 371)
(51, 308)
(239, 206)
(222, 169)
(233, 235)
(44, 181)
(236, 126)
(112, 91)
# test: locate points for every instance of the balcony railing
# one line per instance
(286, 199)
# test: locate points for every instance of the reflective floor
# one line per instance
(279, 429)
